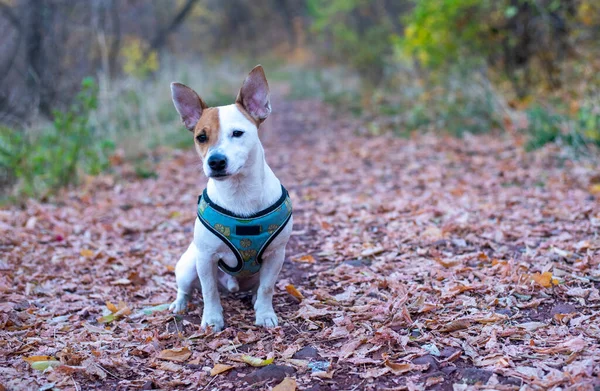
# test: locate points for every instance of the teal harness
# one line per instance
(246, 236)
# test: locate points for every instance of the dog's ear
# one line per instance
(254, 94)
(188, 104)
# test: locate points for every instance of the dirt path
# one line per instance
(423, 263)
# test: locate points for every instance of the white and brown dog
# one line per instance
(244, 215)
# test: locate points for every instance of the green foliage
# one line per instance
(45, 162)
(546, 126)
(457, 103)
(441, 31)
(356, 32)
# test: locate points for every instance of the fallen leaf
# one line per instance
(111, 307)
(86, 253)
(432, 349)
(121, 281)
(545, 279)
(572, 345)
(374, 372)
(294, 292)
(288, 384)
(220, 368)
(255, 361)
(156, 308)
(176, 354)
(305, 259)
(595, 189)
(531, 326)
(399, 368)
(372, 251)
(323, 374)
(41, 363)
(433, 380)
(96, 329)
(456, 325)
(348, 349)
(169, 366)
(32, 359)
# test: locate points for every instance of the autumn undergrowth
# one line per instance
(121, 120)
(40, 160)
(461, 100)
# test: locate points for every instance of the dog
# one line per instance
(244, 216)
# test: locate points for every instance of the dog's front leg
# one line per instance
(263, 304)
(212, 314)
(186, 277)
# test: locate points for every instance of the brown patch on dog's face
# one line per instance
(206, 132)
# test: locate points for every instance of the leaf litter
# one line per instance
(420, 263)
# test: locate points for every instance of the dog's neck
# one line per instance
(251, 190)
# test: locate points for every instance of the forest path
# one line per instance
(423, 262)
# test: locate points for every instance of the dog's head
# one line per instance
(224, 136)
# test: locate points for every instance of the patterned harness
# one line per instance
(246, 236)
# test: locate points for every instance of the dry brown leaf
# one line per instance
(176, 354)
(433, 380)
(572, 345)
(348, 348)
(169, 366)
(456, 325)
(220, 368)
(372, 251)
(373, 373)
(288, 384)
(399, 368)
(323, 374)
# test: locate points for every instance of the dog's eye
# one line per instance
(202, 138)
(237, 133)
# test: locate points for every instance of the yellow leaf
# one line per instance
(32, 359)
(86, 253)
(294, 292)
(220, 368)
(177, 354)
(288, 384)
(545, 279)
(255, 361)
(305, 259)
(595, 189)
(111, 307)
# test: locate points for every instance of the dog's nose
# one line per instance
(217, 162)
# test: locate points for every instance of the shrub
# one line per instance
(579, 130)
(44, 162)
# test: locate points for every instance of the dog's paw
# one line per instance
(266, 319)
(215, 321)
(178, 306)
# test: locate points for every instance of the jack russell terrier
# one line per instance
(244, 218)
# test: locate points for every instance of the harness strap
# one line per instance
(242, 229)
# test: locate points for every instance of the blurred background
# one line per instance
(84, 85)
